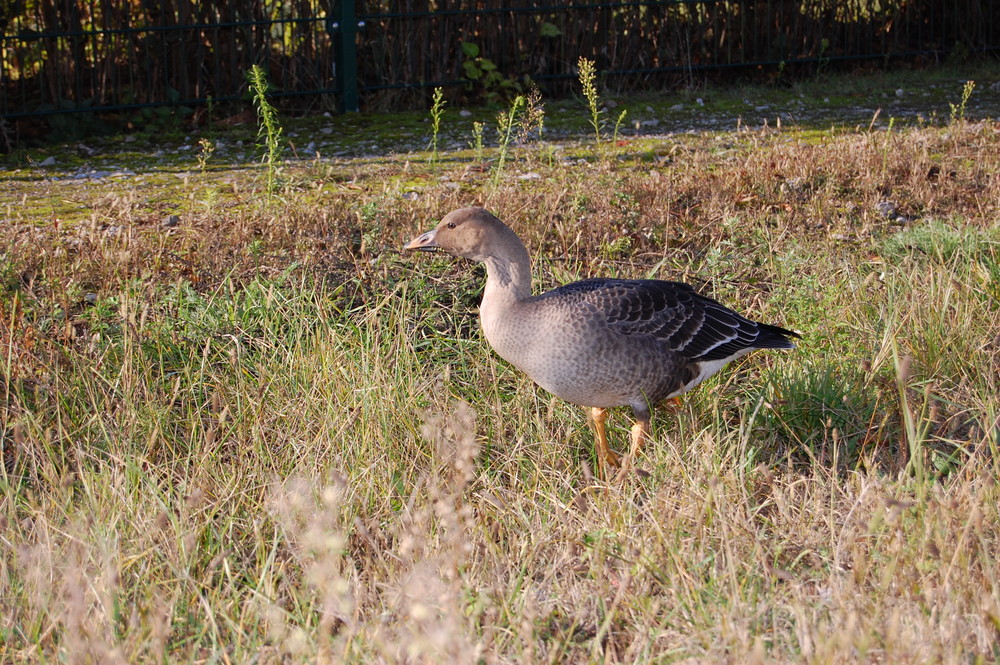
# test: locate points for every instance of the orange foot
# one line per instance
(606, 458)
(640, 432)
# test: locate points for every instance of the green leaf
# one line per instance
(547, 29)
(470, 50)
(486, 65)
(471, 70)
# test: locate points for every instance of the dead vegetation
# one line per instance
(259, 434)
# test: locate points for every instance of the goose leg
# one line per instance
(605, 457)
(640, 432)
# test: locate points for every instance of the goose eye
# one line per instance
(451, 225)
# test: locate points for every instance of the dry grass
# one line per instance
(267, 437)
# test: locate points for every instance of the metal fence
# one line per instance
(127, 60)
(130, 55)
(648, 44)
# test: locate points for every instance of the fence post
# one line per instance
(342, 24)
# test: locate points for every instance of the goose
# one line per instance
(598, 343)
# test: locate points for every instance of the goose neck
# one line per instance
(508, 278)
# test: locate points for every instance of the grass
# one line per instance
(265, 435)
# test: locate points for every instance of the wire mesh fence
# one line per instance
(129, 60)
(125, 54)
(489, 50)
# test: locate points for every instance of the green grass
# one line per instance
(264, 435)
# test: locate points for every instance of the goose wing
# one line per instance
(685, 321)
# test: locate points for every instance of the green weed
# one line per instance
(477, 140)
(437, 110)
(206, 148)
(507, 122)
(958, 110)
(482, 74)
(533, 118)
(822, 59)
(269, 130)
(587, 75)
(618, 124)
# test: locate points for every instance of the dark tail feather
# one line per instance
(774, 337)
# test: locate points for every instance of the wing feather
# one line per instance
(685, 321)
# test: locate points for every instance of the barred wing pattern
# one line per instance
(689, 323)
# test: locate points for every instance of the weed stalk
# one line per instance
(618, 124)
(207, 148)
(506, 122)
(958, 111)
(269, 129)
(437, 110)
(477, 140)
(886, 145)
(588, 76)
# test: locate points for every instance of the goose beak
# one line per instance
(424, 242)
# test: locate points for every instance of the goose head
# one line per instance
(472, 233)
